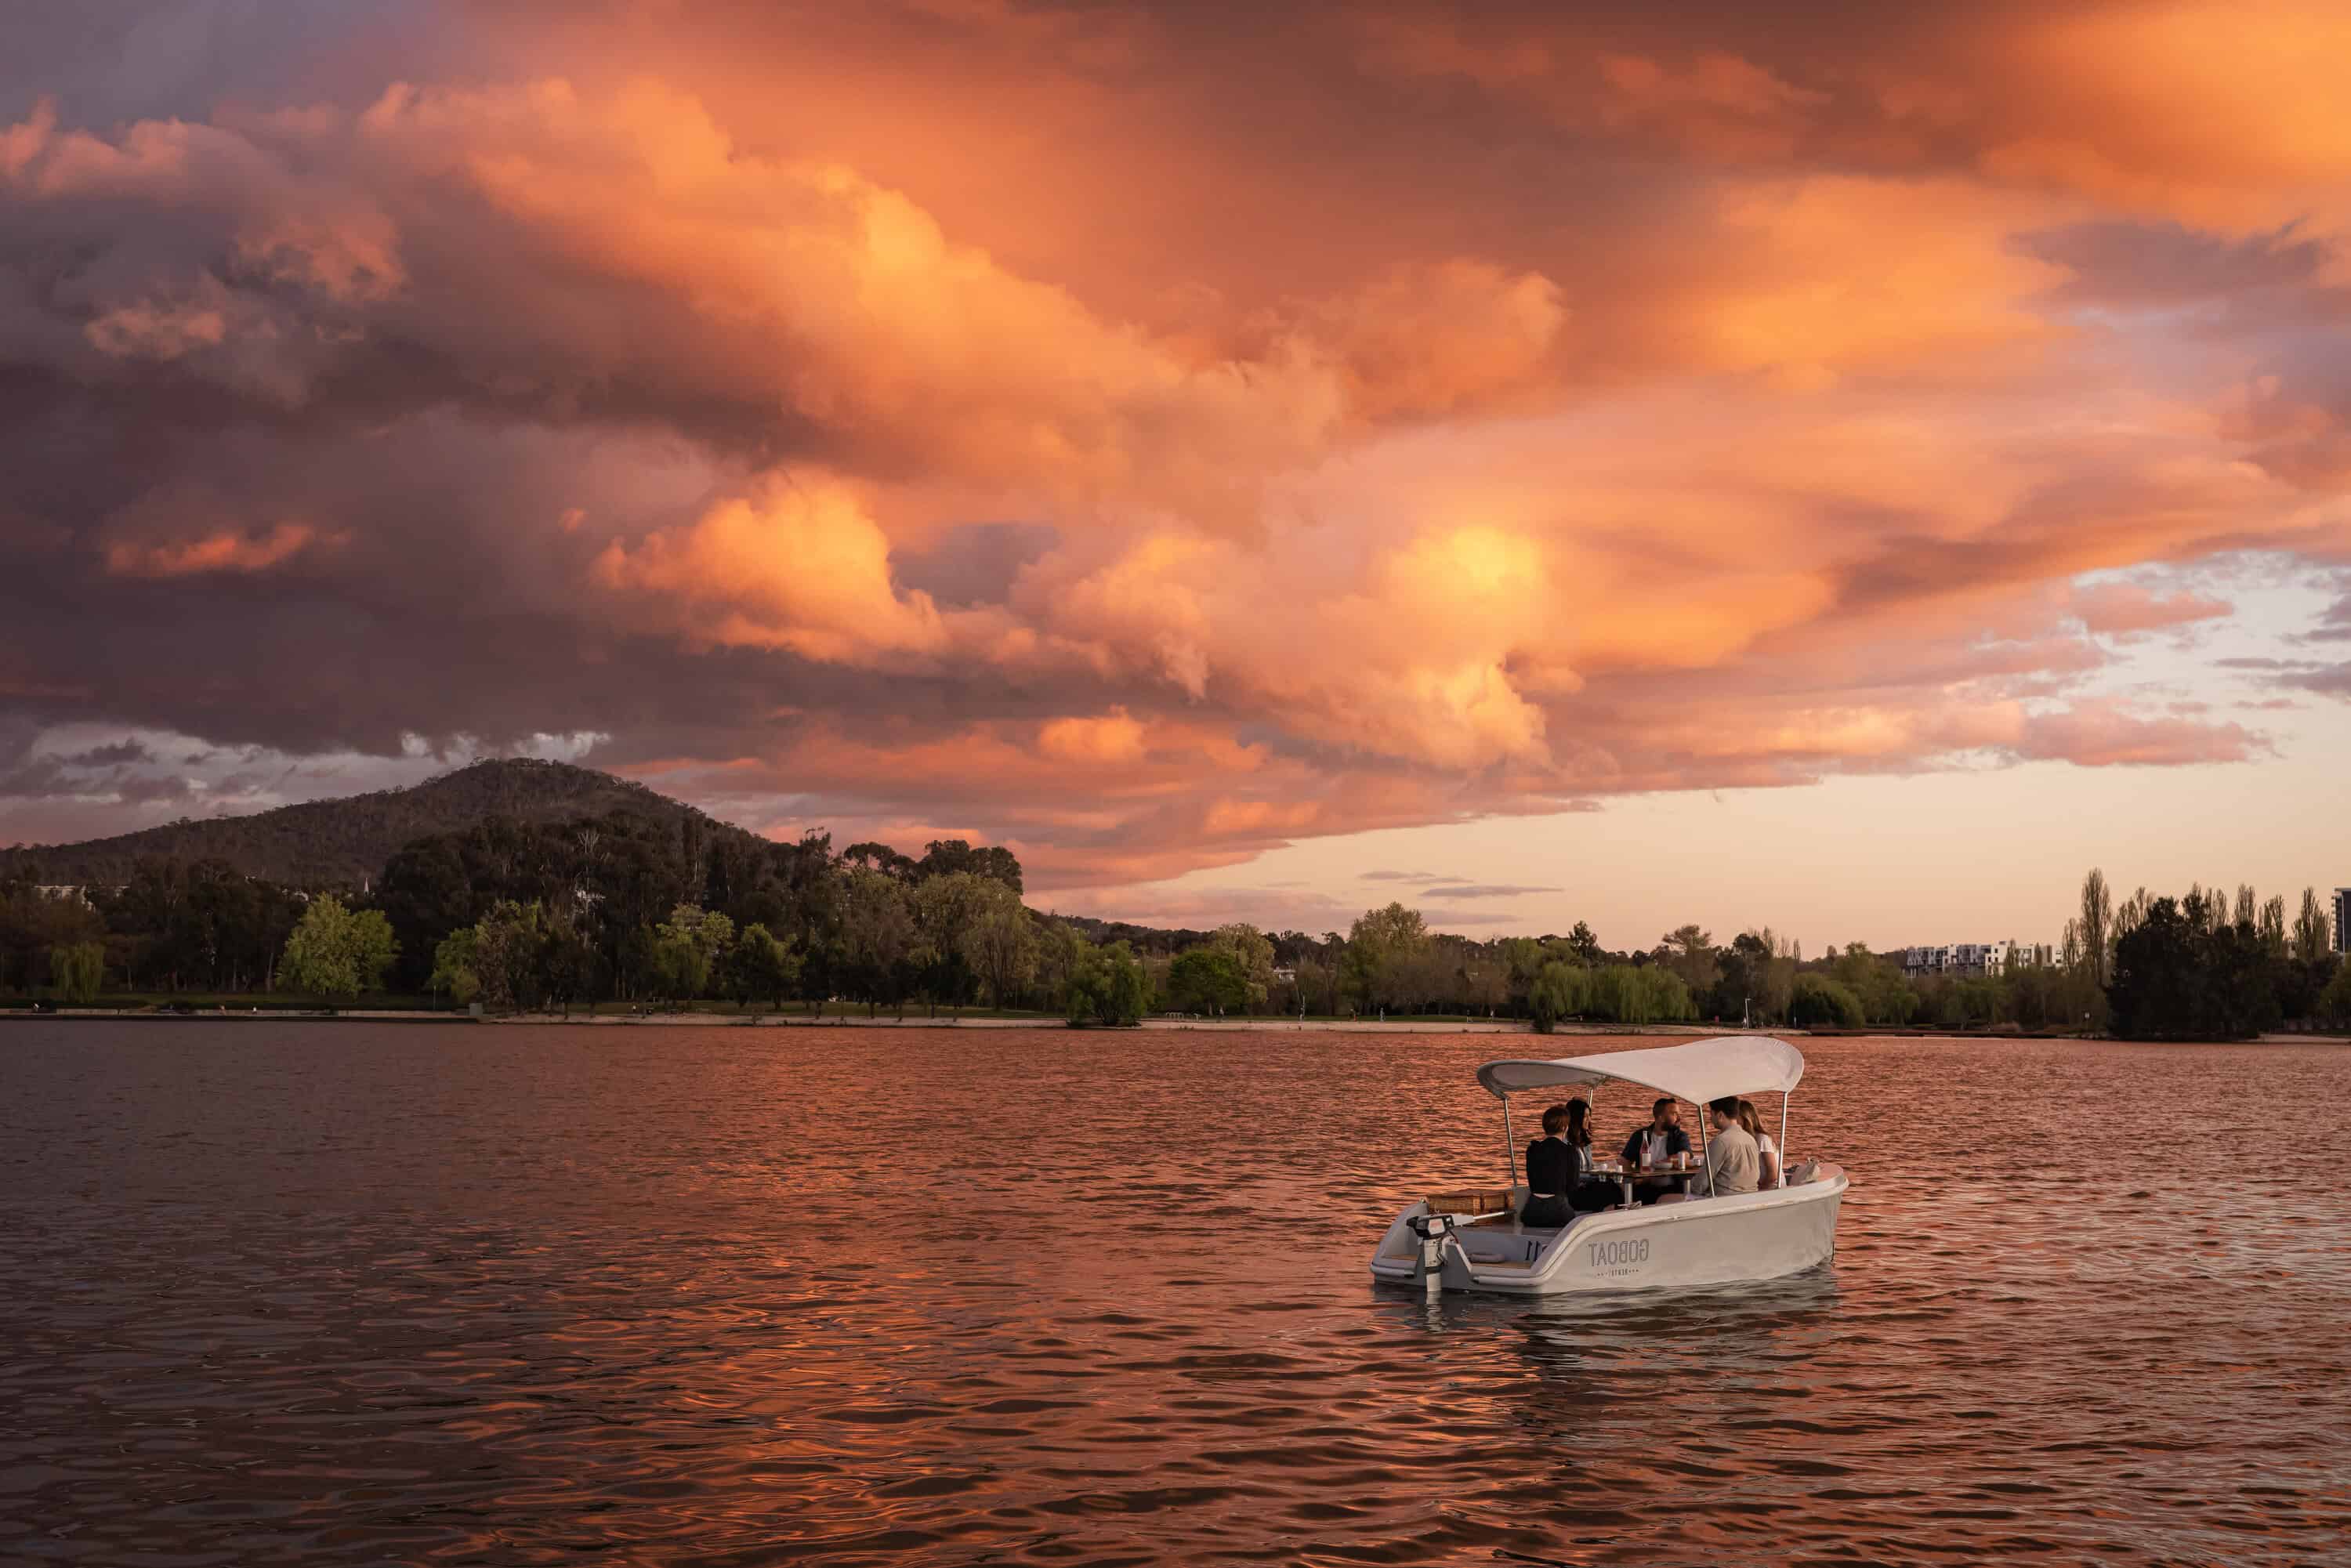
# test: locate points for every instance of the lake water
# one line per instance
(278, 1293)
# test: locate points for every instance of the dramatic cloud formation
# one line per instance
(1153, 436)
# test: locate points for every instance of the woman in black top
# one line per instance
(1555, 1166)
(1591, 1193)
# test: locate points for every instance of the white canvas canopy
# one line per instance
(1701, 1071)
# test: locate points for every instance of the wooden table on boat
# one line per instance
(1657, 1173)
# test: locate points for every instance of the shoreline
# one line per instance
(1209, 1025)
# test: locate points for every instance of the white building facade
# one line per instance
(1967, 961)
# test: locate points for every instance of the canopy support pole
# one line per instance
(1784, 1093)
(1510, 1144)
(1701, 1150)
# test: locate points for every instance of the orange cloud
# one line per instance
(1093, 432)
(799, 567)
(224, 551)
(1114, 737)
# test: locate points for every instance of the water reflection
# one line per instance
(751, 1296)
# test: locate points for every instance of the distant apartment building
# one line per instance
(2342, 920)
(2023, 956)
(1967, 961)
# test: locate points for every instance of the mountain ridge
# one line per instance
(343, 842)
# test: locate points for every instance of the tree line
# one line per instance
(521, 915)
(2207, 965)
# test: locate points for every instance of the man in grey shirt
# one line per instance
(1733, 1164)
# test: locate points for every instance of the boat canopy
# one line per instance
(1701, 1071)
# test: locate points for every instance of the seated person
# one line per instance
(1554, 1168)
(1591, 1193)
(1732, 1162)
(1766, 1151)
(1655, 1143)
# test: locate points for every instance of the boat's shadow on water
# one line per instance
(1715, 1312)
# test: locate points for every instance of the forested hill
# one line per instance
(345, 842)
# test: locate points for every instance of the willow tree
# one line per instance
(75, 969)
(879, 939)
(1000, 944)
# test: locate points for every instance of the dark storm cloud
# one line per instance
(453, 376)
(121, 751)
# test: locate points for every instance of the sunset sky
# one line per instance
(1634, 463)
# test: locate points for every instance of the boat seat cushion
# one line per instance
(1474, 1200)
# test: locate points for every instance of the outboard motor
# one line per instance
(1434, 1231)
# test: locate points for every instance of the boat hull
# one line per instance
(1703, 1241)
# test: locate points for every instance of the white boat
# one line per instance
(1472, 1241)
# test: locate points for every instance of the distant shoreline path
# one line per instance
(1217, 1026)
(837, 1020)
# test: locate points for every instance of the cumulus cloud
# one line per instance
(1106, 443)
(798, 567)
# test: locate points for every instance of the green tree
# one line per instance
(1001, 944)
(2333, 1003)
(686, 950)
(1560, 990)
(1816, 1001)
(2275, 939)
(454, 971)
(2311, 941)
(1885, 995)
(1524, 959)
(508, 951)
(337, 952)
(950, 857)
(569, 965)
(1058, 947)
(1639, 994)
(1208, 979)
(1106, 986)
(1381, 951)
(878, 936)
(947, 910)
(1318, 986)
(1252, 957)
(761, 967)
(76, 970)
(1688, 951)
(2098, 929)
(2180, 974)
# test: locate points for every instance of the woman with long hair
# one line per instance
(1589, 1193)
(1766, 1151)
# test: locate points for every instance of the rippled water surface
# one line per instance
(344, 1293)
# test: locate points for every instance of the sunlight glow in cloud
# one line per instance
(1151, 439)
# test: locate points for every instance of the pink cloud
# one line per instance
(2116, 608)
(224, 552)
(1080, 445)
